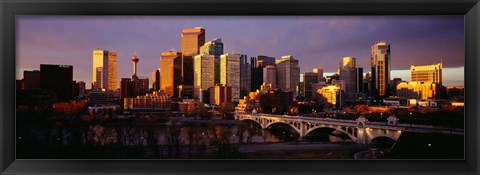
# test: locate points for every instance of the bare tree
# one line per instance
(241, 128)
(173, 138)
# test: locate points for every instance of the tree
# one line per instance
(241, 128)
(173, 138)
(226, 108)
(193, 136)
(252, 131)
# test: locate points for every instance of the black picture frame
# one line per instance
(9, 9)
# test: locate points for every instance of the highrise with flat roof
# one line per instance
(191, 41)
(104, 71)
(352, 76)
(204, 74)
(156, 80)
(230, 73)
(59, 79)
(214, 47)
(288, 74)
(270, 76)
(170, 64)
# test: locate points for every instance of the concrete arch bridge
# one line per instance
(360, 130)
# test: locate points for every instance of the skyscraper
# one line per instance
(127, 90)
(270, 76)
(156, 80)
(191, 41)
(256, 74)
(204, 74)
(59, 79)
(309, 79)
(170, 64)
(380, 62)
(266, 60)
(104, 71)
(352, 76)
(214, 47)
(319, 72)
(230, 73)
(245, 76)
(288, 74)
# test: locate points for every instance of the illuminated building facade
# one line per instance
(170, 64)
(352, 77)
(332, 96)
(104, 71)
(220, 94)
(426, 73)
(155, 102)
(380, 67)
(288, 74)
(204, 74)
(230, 73)
(417, 90)
(191, 41)
(214, 47)
(426, 83)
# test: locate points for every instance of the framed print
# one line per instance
(239, 87)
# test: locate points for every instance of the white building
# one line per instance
(203, 73)
(230, 73)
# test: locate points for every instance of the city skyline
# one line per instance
(441, 38)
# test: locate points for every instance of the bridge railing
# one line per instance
(373, 124)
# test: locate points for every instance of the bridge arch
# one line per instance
(382, 136)
(335, 128)
(252, 121)
(383, 141)
(284, 123)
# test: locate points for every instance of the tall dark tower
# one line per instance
(58, 79)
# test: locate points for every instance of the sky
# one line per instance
(316, 41)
